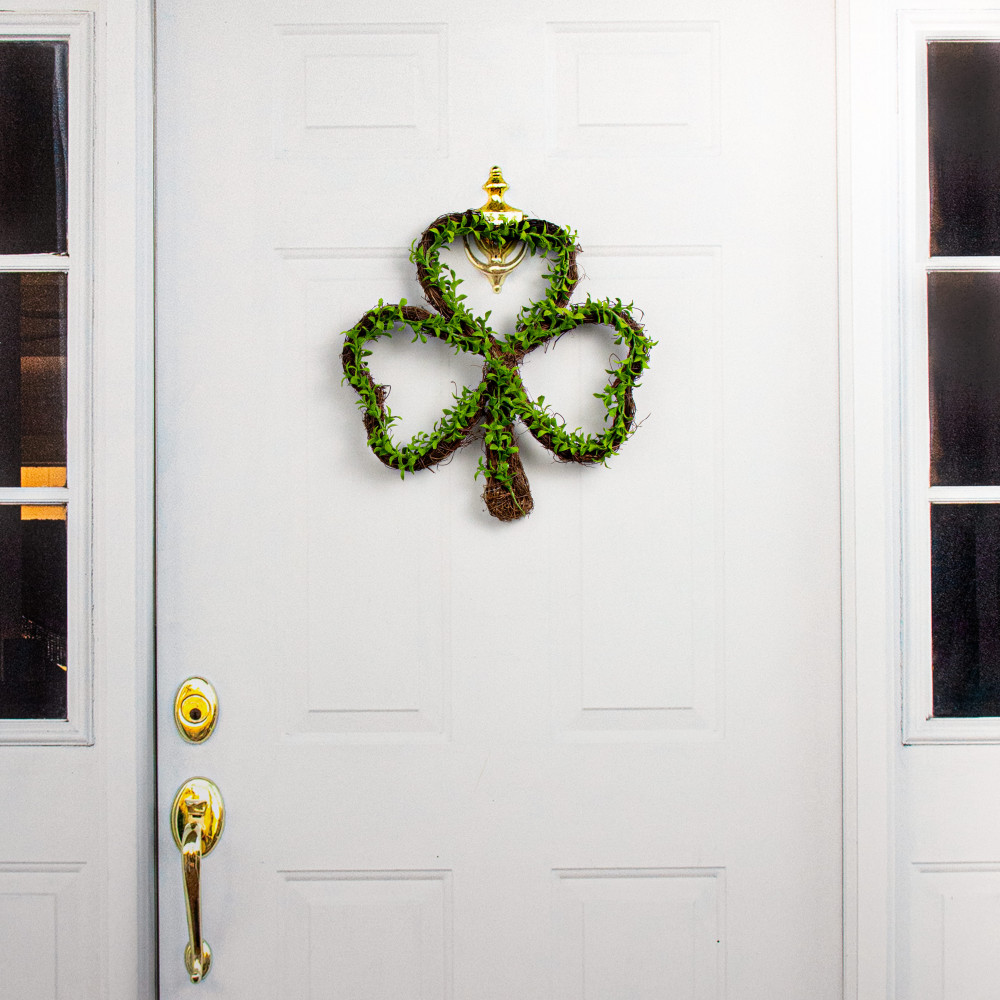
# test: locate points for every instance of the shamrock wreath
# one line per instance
(499, 400)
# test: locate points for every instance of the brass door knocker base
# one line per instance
(496, 262)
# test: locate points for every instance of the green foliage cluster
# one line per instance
(455, 422)
(500, 398)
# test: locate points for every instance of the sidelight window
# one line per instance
(44, 457)
(951, 391)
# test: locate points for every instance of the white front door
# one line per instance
(594, 752)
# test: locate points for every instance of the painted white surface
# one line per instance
(948, 854)
(869, 302)
(76, 850)
(429, 763)
(926, 859)
(641, 933)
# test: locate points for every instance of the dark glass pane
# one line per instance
(963, 332)
(963, 92)
(32, 612)
(32, 380)
(33, 137)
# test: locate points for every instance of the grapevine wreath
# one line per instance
(499, 400)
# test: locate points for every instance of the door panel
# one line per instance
(592, 752)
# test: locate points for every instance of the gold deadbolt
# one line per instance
(196, 709)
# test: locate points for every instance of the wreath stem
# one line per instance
(508, 495)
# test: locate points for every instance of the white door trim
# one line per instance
(123, 495)
(870, 449)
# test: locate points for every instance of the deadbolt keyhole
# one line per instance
(196, 709)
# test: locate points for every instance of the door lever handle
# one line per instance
(196, 821)
(197, 954)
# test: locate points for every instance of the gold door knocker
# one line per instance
(496, 261)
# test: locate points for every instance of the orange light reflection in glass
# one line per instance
(43, 476)
(43, 512)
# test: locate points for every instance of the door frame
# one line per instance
(124, 716)
(123, 495)
(871, 427)
(869, 493)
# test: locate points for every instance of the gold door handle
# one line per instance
(196, 821)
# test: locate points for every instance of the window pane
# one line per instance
(963, 314)
(963, 90)
(33, 137)
(32, 612)
(32, 380)
(965, 608)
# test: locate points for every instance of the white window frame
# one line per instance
(916, 263)
(77, 29)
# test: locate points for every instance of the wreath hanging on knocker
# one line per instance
(499, 401)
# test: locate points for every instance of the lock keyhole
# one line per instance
(196, 709)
